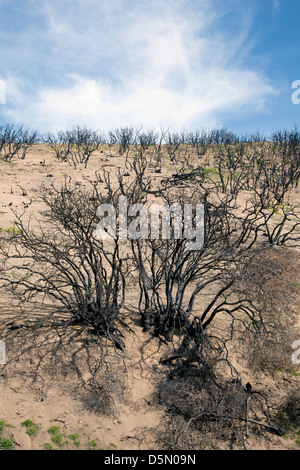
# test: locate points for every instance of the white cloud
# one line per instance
(150, 63)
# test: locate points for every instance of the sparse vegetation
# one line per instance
(31, 427)
(6, 443)
(235, 298)
(57, 437)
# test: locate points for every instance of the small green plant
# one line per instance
(31, 427)
(11, 230)
(93, 444)
(57, 439)
(48, 446)
(75, 439)
(293, 434)
(6, 443)
(296, 284)
(295, 373)
(209, 169)
(53, 430)
(56, 436)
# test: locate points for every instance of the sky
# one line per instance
(168, 64)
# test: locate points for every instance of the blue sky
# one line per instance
(172, 64)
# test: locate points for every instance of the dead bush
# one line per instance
(271, 277)
(290, 407)
(211, 414)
